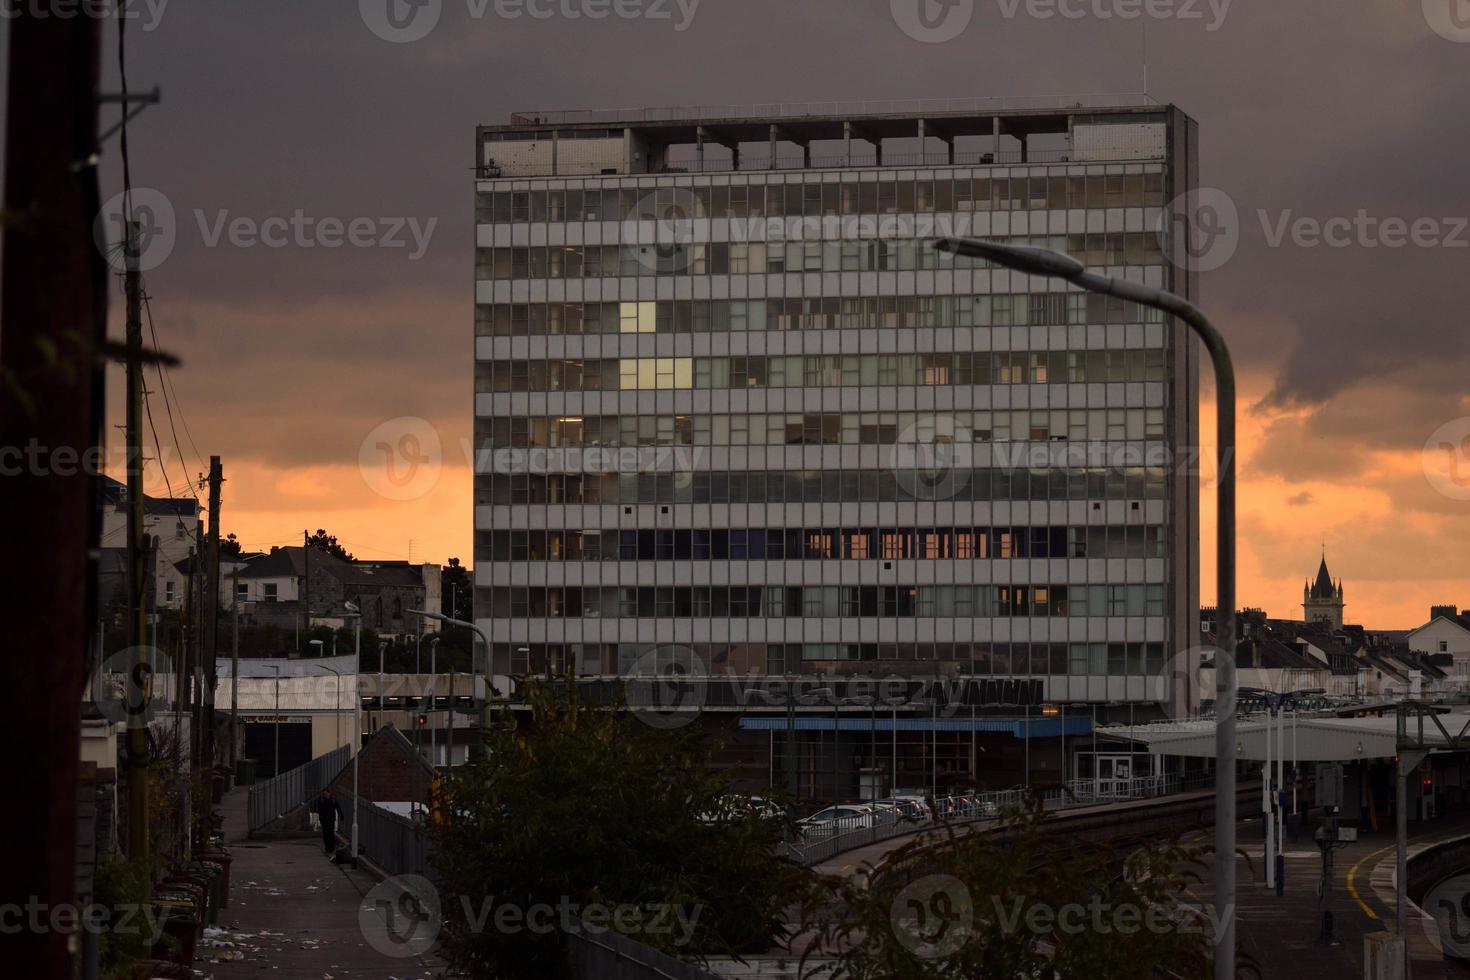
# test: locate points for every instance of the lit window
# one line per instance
(637, 317)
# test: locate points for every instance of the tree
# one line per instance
(588, 809)
(229, 548)
(328, 543)
(457, 598)
(1023, 901)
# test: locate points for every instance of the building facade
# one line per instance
(269, 589)
(731, 408)
(172, 523)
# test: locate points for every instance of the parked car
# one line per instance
(837, 819)
(918, 803)
(908, 807)
(733, 806)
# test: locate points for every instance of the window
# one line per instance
(168, 594)
(268, 591)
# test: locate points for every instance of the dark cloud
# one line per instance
(1311, 108)
(1303, 499)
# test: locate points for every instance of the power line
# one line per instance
(168, 403)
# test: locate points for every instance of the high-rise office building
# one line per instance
(731, 408)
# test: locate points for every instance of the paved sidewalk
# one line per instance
(294, 915)
(1284, 934)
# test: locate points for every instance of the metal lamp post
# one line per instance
(433, 700)
(356, 615)
(382, 683)
(276, 766)
(894, 703)
(1043, 262)
(872, 704)
(489, 652)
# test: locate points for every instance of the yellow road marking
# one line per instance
(1353, 889)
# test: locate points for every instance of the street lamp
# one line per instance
(1275, 813)
(1044, 262)
(872, 706)
(815, 696)
(276, 766)
(433, 700)
(338, 698)
(489, 678)
(382, 683)
(355, 614)
(894, 703)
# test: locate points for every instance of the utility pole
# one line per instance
(53, 308)
(235, 666)
(305, 582)
(137, 548)
(210, 610)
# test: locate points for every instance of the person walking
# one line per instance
(327, 812)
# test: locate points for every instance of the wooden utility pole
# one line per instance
(235, 665)
(305, 584)
(210, 610)
(137, 614)
(53, 309)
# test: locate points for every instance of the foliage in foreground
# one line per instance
(1019, 903)
(585, 807)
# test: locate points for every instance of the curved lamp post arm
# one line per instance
(1044, 262)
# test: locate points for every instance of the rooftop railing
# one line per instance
(798, 110)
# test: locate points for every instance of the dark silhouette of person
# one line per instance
(327, 812)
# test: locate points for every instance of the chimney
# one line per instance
(1448, 612)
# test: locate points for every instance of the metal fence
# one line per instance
(607, 955)
(398, 845)
(797, 110)
(821, 842)
(281, 794)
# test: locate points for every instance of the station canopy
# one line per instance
(1306, 738)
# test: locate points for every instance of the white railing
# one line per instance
(820, 842)
(797, 110)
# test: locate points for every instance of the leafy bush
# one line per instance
(586, 806)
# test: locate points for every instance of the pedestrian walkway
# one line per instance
(294, 915)
(1284, 935)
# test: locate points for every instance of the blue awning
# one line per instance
(1015, 727)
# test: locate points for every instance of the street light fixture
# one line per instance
(355, 614)
(1044, 262)
(433, 700)
(872, 705)
(489, 667)
(895, 702)
(276, 766)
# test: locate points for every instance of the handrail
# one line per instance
(276, 796)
